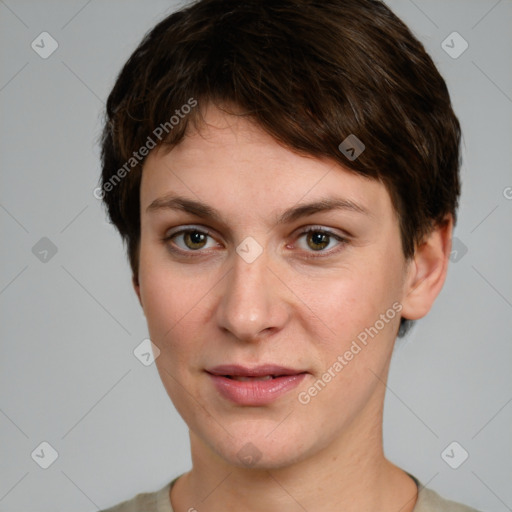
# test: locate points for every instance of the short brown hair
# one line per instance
(309, 73)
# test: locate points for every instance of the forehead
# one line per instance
(228, 159)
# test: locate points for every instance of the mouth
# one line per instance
(254, 386)
(244, 378)
(262, 372)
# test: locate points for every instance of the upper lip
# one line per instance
(236, 370)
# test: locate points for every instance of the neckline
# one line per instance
(167, 490)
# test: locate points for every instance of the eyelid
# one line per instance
(329, 231)
(188, 227)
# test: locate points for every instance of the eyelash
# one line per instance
(312, 229)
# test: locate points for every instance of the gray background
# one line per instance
(69, 325)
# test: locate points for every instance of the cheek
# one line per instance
(167, 292)
(176, 306)
(348, 301)
(359, 343)
(351, 305)
(172, 306)
(167, 297)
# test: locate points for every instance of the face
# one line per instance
(273, 318)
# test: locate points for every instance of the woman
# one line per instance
(285, 176)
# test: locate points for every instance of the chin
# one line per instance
(259, 452)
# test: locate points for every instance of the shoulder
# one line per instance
(157, 501)
(430, 501)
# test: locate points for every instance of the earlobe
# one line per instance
(427, 271)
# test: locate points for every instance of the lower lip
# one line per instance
(255, 392)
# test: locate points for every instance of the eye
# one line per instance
(319, 239)
(189, 240)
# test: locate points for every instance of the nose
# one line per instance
(252, 304)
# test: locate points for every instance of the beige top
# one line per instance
(159, 501)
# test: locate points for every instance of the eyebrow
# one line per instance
(203, 210)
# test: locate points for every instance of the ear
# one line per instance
(427, 271)
(136, 287)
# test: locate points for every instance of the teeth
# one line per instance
(246, 379)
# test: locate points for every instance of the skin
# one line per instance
(215, 308)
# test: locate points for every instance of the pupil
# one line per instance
(319, 239)
(196, 238)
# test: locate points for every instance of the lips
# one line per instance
(254, 386)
